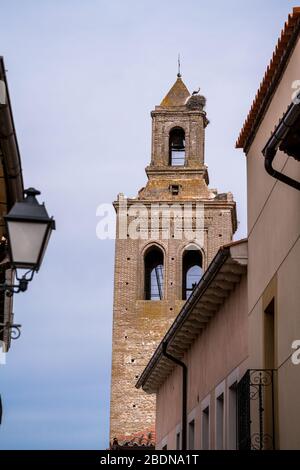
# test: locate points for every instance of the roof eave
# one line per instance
(10, 147)
(273, 74)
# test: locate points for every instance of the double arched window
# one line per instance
(192, 270)
(177, 147)
(154, 274)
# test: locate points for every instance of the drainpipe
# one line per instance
(271, 148)
(184, 393)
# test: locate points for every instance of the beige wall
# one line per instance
(221, 350)
(237, 337)
(274, 258)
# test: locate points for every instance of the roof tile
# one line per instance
(251, 121)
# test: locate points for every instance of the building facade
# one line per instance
(274, 232)
(158, 262)
(243, 362)
(11, 191)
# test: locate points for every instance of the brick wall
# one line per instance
(139, 324)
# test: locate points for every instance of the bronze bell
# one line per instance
(177, 139)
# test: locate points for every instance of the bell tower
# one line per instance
(157, 266)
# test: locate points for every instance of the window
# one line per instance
(192, 435)
(270, 354)
(220, 422)
(177, 147)
(232, 398)
(154, 269)
(205, 428)
(178, 441)
(174, 189)
(269, 335)
(191, 271)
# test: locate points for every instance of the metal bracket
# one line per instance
(20, 287)
(15, 329)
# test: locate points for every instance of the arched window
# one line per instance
(154, 274)
(177, 147)
(191, 271)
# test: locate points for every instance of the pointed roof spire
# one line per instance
(177, 95)
(179, 74)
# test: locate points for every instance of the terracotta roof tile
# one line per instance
(141, 439)
(279, 54)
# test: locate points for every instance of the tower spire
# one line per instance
(179, 74)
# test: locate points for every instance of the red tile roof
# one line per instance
(142, 439)
(289, 35)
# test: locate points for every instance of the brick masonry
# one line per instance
(139, 324)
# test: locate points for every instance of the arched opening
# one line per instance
(154, 274)
(192, 270)
(177, 147)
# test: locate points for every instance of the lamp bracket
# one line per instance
(15, 329)
(21, 286)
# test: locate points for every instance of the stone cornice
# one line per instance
(170, 172)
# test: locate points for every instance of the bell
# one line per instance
(177, 139)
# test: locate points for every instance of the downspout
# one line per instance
(271, 148)
(184, 393)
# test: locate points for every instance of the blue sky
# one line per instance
(83, 78)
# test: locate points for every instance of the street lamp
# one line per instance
(28, 228)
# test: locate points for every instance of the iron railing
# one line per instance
(255, 410)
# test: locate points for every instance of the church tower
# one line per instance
(156, 265)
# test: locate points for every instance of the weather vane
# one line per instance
(178, 74)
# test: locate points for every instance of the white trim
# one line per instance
(233, 377)
(231, 380)
(164, 442)
(205, 404)
(220, 390)
(178, 428)
(192, 415)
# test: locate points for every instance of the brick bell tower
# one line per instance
(156, 271)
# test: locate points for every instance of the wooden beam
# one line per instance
(216, 292)
(225, 285)
(229, 276)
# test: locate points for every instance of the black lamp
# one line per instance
(28, 228)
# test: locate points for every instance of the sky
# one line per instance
(83, 78)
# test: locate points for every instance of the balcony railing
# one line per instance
(255, 410)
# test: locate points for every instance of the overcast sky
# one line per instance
(83, 78)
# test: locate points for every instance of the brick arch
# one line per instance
(152, 243)
(184, 125)
(189, 248)
(145, 249)
(176, 123)
(179, 257)
(188, 245)
(176, 126)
